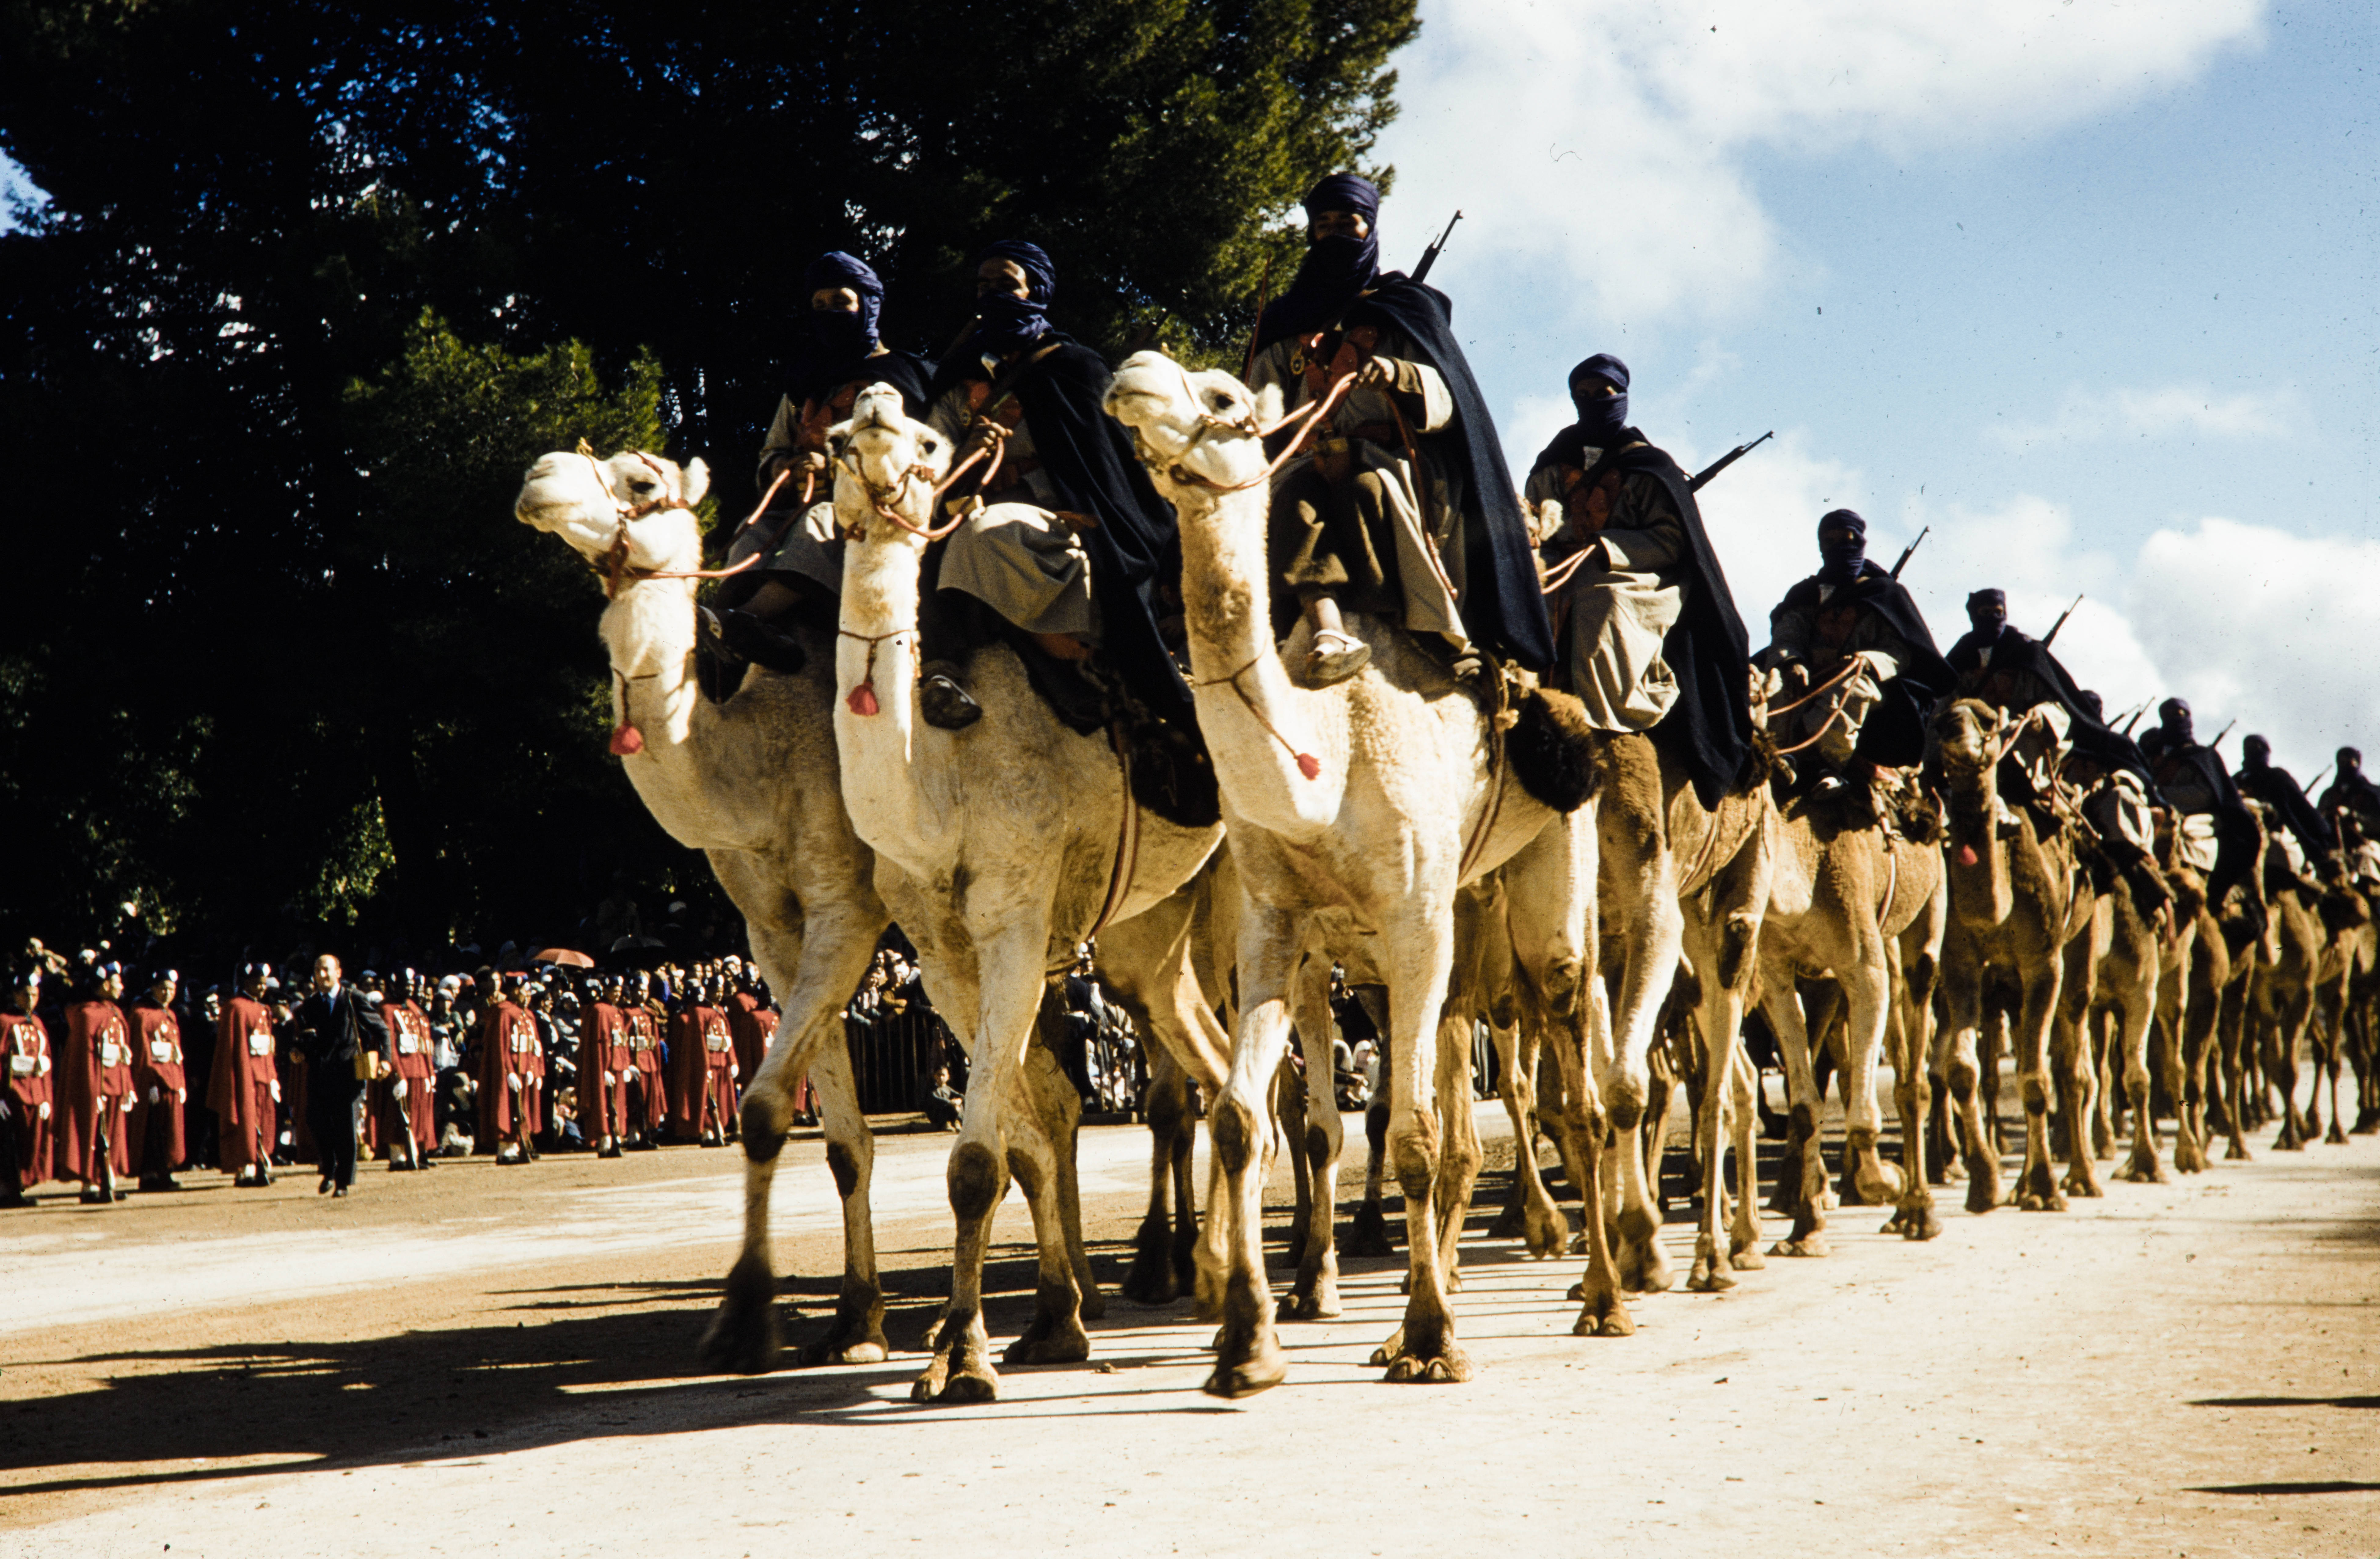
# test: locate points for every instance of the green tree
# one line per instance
(275, 668)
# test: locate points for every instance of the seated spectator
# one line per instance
(941, 1102)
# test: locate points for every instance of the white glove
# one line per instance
(127, 1106)
(399, 1089)
(513, 1080)
(45, 1109)
(152, 1094)
(609, 1079)
(181, 1096)
(276, 1092)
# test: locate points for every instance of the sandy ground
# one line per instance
(499, 1360)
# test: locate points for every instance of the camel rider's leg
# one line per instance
(799, 579)
(950, 630)
(1333, 547)
(2118, 814)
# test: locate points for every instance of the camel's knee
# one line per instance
(767, 1113)
(977, 1181)
(1739, 938)
(1414, 1151)
(1236, 1131)
(844, 1164)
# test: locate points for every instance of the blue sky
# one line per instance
(2093, 290)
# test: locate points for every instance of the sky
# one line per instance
(2091, 289)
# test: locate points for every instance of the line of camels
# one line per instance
(1611, 931)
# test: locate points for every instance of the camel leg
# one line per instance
(1580, 1056)
(2136, 1016)
(2282, 1045)
(1458, 1168)
(1651, 930)
(1289, 1109)
(2230, 1089)
(1422, 949)
(1722, 938)
(1058, 1111)
(2189, 1150)
(1912, 1090)
(2037, 1189)
(2336, 1029)
(1549, 903)
(820, 964)
(1743, 1220)
(1961, 1027)
(1868, 1180)
(1314, 1295)
(1158, 1276)
(1248, 1358)
(1368, 1234)
(1803, 1181)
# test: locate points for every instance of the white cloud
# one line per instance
(2173, 411)
(1606, 142)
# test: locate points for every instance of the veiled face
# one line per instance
(1337, 225)
(1001, 276)
(834, 300)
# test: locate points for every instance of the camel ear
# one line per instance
(838, 439)
(1269, 404)
(697, 481)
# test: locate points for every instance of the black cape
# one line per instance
(810, 378)
(1708, 731)
(2235, 829)
(2278, 790)
(1502, 611)
(1894, 733)
(2088, 735)
(2355, 793)
(1133, 547)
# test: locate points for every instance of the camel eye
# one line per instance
(1219, 401)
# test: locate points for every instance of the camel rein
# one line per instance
(1311, 414)
(614, 569)
(1307, 765)
(879, 497)
(1126, 864)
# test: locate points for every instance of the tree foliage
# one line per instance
(315, 280)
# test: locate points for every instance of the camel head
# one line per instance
(1194, 430)
(590, 503)
(885, 465)
(1967, 735)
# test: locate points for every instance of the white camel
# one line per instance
(1354, 811)
(753, 783)
(999, 847)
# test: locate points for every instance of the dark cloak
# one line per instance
(2088, 735)
(1087, 456)
(2235, 829)
(2278, 790)
(1706, 731)
(1502, 610)
(1894, 733)
(2355, 793)
(813, 379)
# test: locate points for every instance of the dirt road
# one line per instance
(497, 1361)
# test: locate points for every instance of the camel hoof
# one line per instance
(866, 1350)
(1154, 1289)
(1808, 1245)
(1747, 1259)
(742, 1338)
(1914, 1223)
(2288, 1142)
(1094, 1306)
(2237, 1155)
(1262, 1372)
(2143, 1173)
(2334, 1137)
(969, 1386)
(2042, 1202)
(1367, 1234)
(2080, 1185)
(1068, 1346)
(1548, 1239)
(1511, 1224)
(1709, 1277)
(1609, 1319)
(1450, 1365)
(1322, 1304)
(1982, 1195)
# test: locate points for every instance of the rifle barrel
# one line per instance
(1695, 483)
(1911, 550)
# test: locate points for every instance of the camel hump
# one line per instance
(1552, 748)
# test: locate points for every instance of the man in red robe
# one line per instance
(507, 1046)
(605, 1062)
(719, 1071)
(27, 1140)
(649, 1102)
(244, 1089)
(401, 1105)
(95, 1087)
(159, 1091)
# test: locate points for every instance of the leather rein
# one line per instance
(614, 570)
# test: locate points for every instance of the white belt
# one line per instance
(23, 1066)
(110, 1053)
(163, 1050)
(260, 1044)
(407, 1045)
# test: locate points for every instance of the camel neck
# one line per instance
(649, 631)
(876, 664)
(1257, 723)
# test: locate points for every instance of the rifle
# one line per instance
(2052, 636)
(2219, 736)
(1909, 550)
(1695, 483)
(2135, 719)
(1429, 256)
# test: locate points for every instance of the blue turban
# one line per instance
(1336, 270)
(840, 335)
(1007, 322)
(1601, 418)
(1842, 541)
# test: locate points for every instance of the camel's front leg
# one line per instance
(2139, 1016)
(1058, 1114)
(1248, 1357)
(1162, 1267)
(1314, 1295)
(1532, 1216)
(2037, 1189)
(1579, 1044)
(1422, 951)
(2281, 1052)
(823, 963)
(1963, 999)
(1913, 1217)
(1458, 1168)
(1806, 1167)
(1744, 1225)
(1868, 1180)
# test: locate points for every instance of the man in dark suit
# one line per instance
(336, 1025)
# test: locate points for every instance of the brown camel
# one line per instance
(2019, 905)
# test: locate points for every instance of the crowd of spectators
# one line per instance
(119, 1077)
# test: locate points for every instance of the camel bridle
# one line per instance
(614, 569)
(1242, 422)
